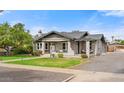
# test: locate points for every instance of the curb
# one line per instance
(70, 78)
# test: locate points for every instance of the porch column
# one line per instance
(96, 47)
(88, 48)
(70, 51)
(43, 47)
(39, 46)
(35, 46)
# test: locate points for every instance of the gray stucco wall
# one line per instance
(82, 46)
(101, 47)
(74, 46)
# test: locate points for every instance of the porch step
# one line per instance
(45, 55)
(48, 55)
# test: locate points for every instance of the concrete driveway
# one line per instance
(24, 75)
(111, 62)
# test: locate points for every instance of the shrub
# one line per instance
(84, 56)
(52, 55)
(11, 53)
(60, 55)
(20, 51)
(37, 53)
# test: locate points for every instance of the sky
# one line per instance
(109, 22)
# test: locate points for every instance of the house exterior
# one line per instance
(71, 43)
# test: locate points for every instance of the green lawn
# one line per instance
(49, 62)
(13, 57)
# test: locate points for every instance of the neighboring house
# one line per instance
(71, 43)
(115, 47)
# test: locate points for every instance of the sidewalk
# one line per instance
(79, 75)
(20, 59)
(43, 56)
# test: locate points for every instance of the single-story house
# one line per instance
(71, 43)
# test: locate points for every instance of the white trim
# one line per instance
(70, 51)
(43, 47)
(88, 48)
(96, 47)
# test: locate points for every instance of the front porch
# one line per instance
(87, 47)
(48, 47)
(68, 47)
(55, 47)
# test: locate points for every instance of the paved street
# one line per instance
(23, 75)
(112, 63)
(108, 68)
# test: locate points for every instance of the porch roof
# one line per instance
(93, 37)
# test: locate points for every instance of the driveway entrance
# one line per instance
(111, 62)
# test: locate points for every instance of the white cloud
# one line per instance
(34, 30)
(117, 13)
(4, 12)
(15, 22)
(118, 33)
(1, 13)
(56, 28)
(91, 20)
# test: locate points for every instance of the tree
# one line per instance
(18, 34)
(15, 36)
(122, 42)
(21, 37)
(5, 36)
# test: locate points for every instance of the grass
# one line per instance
(49, 62)
(13, 57)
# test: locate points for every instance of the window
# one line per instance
(37, 46)
(40, 45)
(64, 47)
(46, 46)
(90, 45)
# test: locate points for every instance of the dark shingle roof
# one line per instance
(92, 37)
(74, 34)
(69, 35)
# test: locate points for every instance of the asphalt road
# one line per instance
(112, 63)
(24, 75)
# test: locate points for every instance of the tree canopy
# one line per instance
(15, 36)
(122, 42)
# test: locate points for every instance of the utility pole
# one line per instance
(112, 39)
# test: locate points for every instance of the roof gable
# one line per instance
(69, 35)
(74, 34)
(93, 37)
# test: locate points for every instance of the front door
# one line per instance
(52, 48)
